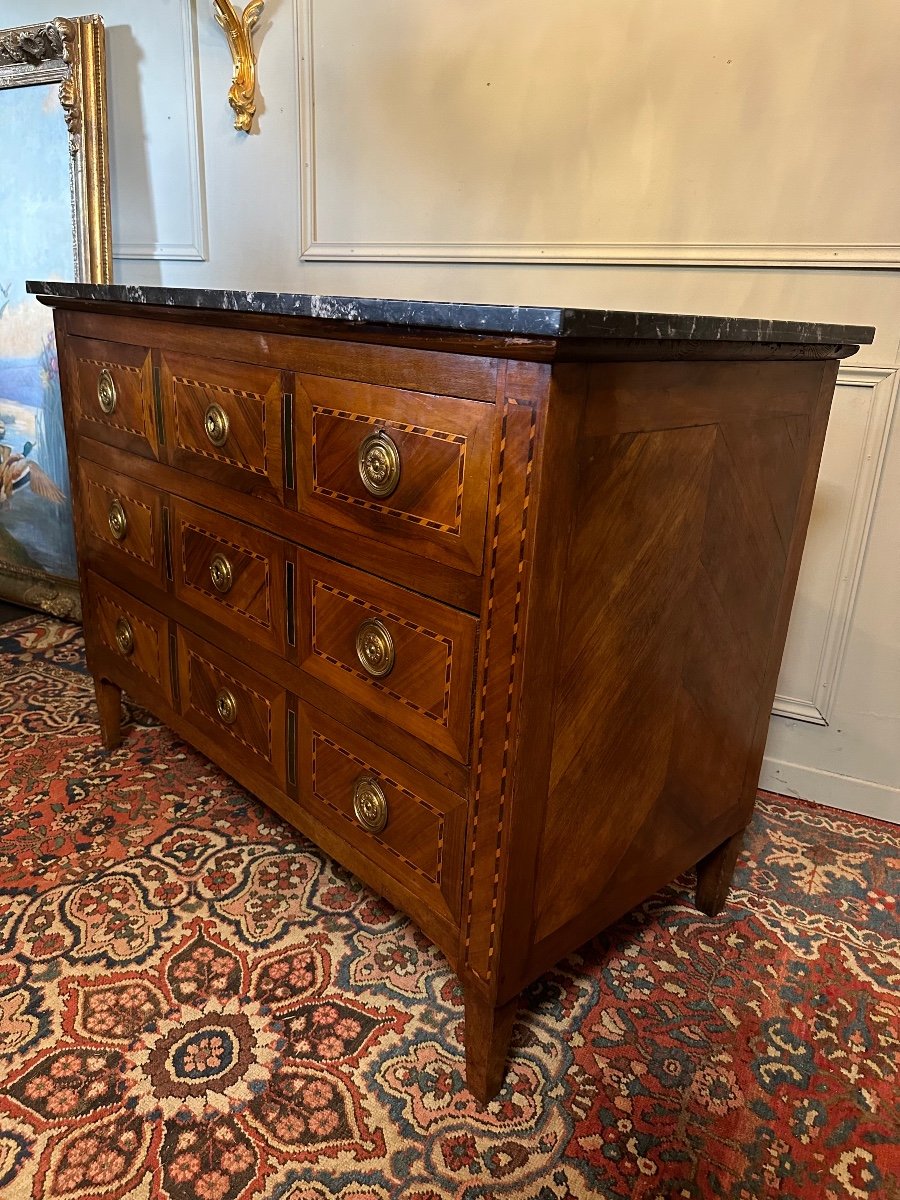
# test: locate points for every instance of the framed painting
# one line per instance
(54, 201)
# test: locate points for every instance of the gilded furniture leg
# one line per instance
(488, 1031)
(714, 874)
(109, 705)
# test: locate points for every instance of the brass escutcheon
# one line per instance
(379, 463)
(226, 706)
(375, 647)
(220, 573)
(215, 422)
(106, 391)
(118, 522)
(124, 636)
(370, 805)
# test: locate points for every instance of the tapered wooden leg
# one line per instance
(109, 705)
(488, 1031)
(714, 875)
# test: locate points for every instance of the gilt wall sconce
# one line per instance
(242, 93)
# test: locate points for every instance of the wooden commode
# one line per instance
(488, 602)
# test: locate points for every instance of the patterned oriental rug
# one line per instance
(196, 1003)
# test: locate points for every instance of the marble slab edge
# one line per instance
(515, 320)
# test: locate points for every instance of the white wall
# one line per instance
(699, 157)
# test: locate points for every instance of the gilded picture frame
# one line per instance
(54, 223)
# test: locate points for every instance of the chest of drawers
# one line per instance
(490, 608)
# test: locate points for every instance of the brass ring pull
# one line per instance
(215, 423)
(370, 806)
(226, 706)
(124, 636)
(118, 521)
(106, 391)
(220, 573)
(375, 647)
(378, 460)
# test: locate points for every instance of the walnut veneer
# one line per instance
(518, 691)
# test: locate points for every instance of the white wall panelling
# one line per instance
(836, 542)
(159, 209)
(845, 628)
(642, 129)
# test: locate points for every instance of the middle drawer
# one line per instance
(241, 711)
(234, 573)
(409, 659)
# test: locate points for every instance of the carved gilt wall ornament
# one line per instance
(242, 93)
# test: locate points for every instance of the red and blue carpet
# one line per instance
(196, 1003)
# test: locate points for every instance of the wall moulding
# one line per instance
(313, 246)
(846, 792)
(598, 253)
(193, 247)
(817, 702)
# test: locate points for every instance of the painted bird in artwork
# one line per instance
(18, 472)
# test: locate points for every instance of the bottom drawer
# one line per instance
(400, 819)
(134, 636)
(243, 712)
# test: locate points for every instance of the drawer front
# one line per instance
(412, 828)
(243, 712)
(407, 468)
(122, 522)
(233, 573)
(408, 659)
(114, 394)
(134, 636)
(225, 421)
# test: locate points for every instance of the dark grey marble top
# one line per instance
(511, 320)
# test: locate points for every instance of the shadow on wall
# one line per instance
(131, 193)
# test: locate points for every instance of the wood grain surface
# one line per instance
(585, 573)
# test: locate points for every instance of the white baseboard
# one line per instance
(837, 791)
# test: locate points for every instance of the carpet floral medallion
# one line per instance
(196, 1004)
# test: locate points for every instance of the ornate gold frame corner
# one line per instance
(242, 93)
(72, 52)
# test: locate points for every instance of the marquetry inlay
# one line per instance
(203, 394)
(380, 684)
(218, 596)
(126, 547)
(115, 417)
(319, 738)
(455, 439)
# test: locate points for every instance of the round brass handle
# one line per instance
(379, 463)
(375, 647)
(220, 573)
(124, 636)
(370, 806)
(226, 706)
(106, 391)
(215, 422)
(118, 522)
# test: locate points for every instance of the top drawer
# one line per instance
(114, 394)
(407, 468)
(223, 422)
